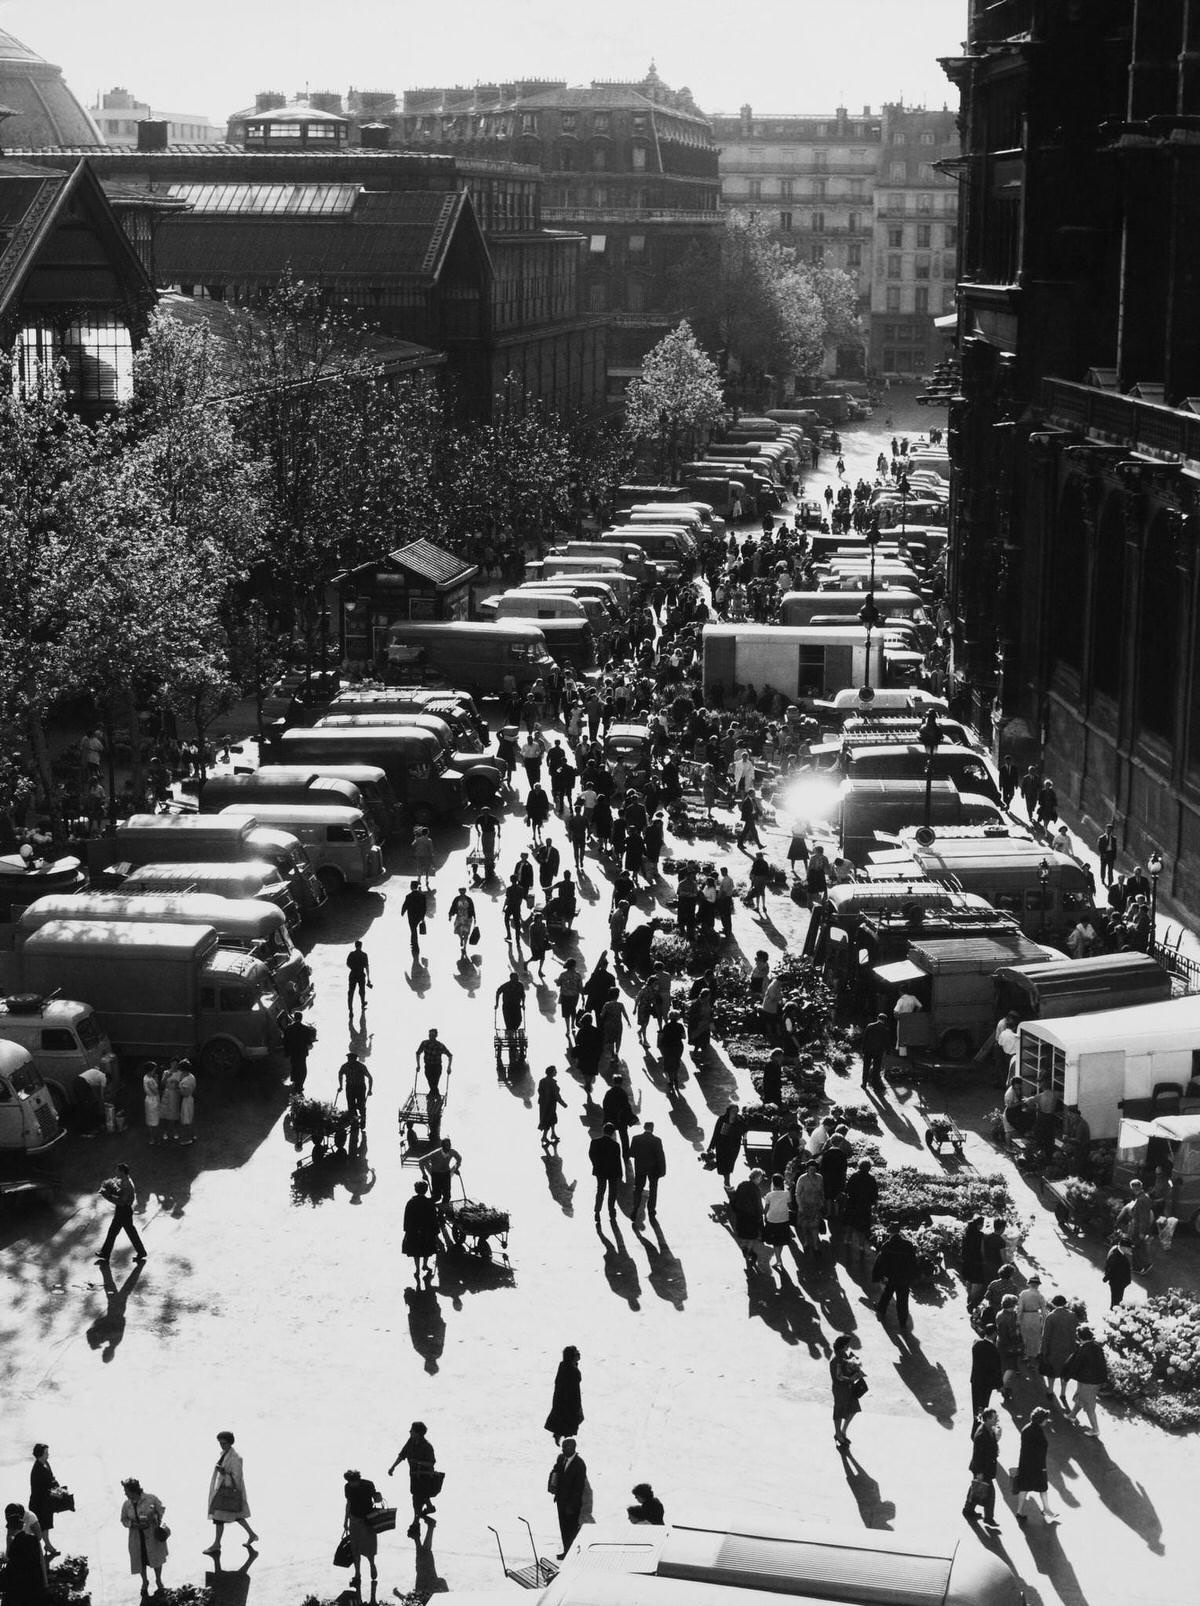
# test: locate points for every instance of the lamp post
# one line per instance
(869, 615)
(1154, 864)
(930, 739)
(1044, 879)
(902, 482)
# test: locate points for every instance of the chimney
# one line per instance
(375, 136)
(152, 135)
(269, 100)
(326, 100)
(866, 111)
(747, 117)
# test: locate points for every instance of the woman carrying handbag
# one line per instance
(227, 1495)
(849, 1386)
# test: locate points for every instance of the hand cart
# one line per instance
(539, 1575)
(512, 1049)
(468, 1225)
(422, 1109)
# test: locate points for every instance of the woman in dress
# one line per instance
(142, 1516)
(566, 1405)
(423, 1480)
(422, 852)
(361, 1498)
(168, 1104)
(810, 1207)
(777, 1226)
(746, 1205)
(150, 1099)
(227, 1495)
(1009, 1342)
(1031, 1317)
(42, 1495)
(588, 1049)
(187, 1103)
(422, 1230)
(849, 1385)
(462, 918)
(760, 880)
(726, 1141)
(1030, 1477)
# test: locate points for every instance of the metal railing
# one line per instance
(1183, 970)
(1125, 420)
(626, 214)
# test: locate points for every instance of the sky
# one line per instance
(779, 56)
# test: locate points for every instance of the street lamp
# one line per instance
(869, 615)
(1044, 879)
(930, 738)
(902, 482)
(1154, 864)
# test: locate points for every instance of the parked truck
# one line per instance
(159, 990)
(796, 661)
(63, 1038)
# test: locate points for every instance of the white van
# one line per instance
(63, 1038)
(537, 605)
(576, 585)
(339, 841)
(624, 587)
(669, 550)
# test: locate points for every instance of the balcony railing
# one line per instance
(994, 21)
(1125, 420)
(625, 214)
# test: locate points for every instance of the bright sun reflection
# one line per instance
(813, 797)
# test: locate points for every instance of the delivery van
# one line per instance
(802, 607)
(871, 810)
(624, 587)
(482, 775)
(63, 1038)
(539, 605)
(338, 841)
(426, 786)
(969, 770)
(263, 785)
(368, 780)
(796, 661)
(457, 708)
(583, 587)
(253, 878)
(476, 657)
(628, 554)
(249, 925)
(1081, 986)
(570, 642)
(668, 550)
(29, 1122)
(164, 838)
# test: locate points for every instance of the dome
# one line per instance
(45, 112)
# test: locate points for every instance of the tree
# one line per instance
(678, 397)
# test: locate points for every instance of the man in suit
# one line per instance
(895, 1267)
(649, 1163)
(1106, 848)
(607, 1167)
(568, 1480)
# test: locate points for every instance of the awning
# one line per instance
(948, 320)
(901, 973)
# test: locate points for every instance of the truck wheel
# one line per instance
(332, 880)
(956, 1046)
(220, 1057)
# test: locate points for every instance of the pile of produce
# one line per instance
(314, 1121)
(475, 1218)
(1154, 1358)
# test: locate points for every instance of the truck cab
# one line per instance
(29, 1122)
(62, 1037)
(482, 775)
(338, 841)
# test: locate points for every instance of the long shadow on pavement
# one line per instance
(927, 1383)
(619, 1266)
(561, 1191)
(1124, 1498)
(665, 1274)
(875, 1511)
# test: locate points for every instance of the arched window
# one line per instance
(1108, 603)
(1068, 578)
(1160, 617)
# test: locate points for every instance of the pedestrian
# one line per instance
(985, 1459)
(298, 1039)
(617, 1109)
(120, 1192)
(746, 1212)
(187, 1103)
(649, 1508)
(168, 1113)
(424, 1480)
(361, 1498)
(614, 1018)
(971, 1262)
(142, 1517)
(1047, 804)
(566, 1403)
(1008, 775)
(760, 880)
(649, 1164)
(422, 1231)
(1106, 852)
(895, 1267)
(1030, 786)
(358, 968)
(859, 1197)
(537, 810)
(1059, 1334)
(604, 1154)
(432, 1055)
(227, 1495)
(876, 1040)
(834, 1165)
(588, 1047)
(437, 1167)
(1031, 1316)
(356, 1081)
(726, 1142)
(849, 1386)
(550, 1101)
(462, 918)
(422, 852)
(44, 1496)
(1135, 1221)
(993, 1247)
(23, 1576)
(987, 1370)
(1010, 1343)
(1118, 1271)
(1031, 1477)
(569, 986)
(151, 1101)
(414, 909)
(777, 1223)
(567, 1484)
(749, 810)
(672, 1036)
(1087, 1367)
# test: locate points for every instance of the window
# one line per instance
(818, 222)
(924, 236)
(889, 331)
(921, 300)
(599, 158)
(236, 1000)
(819, 188)
(569, 122)
(597, 245)
(897, 173)
(817, 253)
(893, 298)
(820, 158)
(889, 358)
(57, 1040)
(635, 295)
(924, 204)
(600, 122)
(785, 222)
(598, 297)
(951, 235)
(895, 237)
(566, 159)
(854, 222)
(921, 269)
(894, 267)
(97, 351)
(857, 186)
(854, 254)
(948, 298)
(927, 138)
(529, 122)
(754, 189)
(636, 246)
(339, 833)
(785, 189)
(638, 154)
